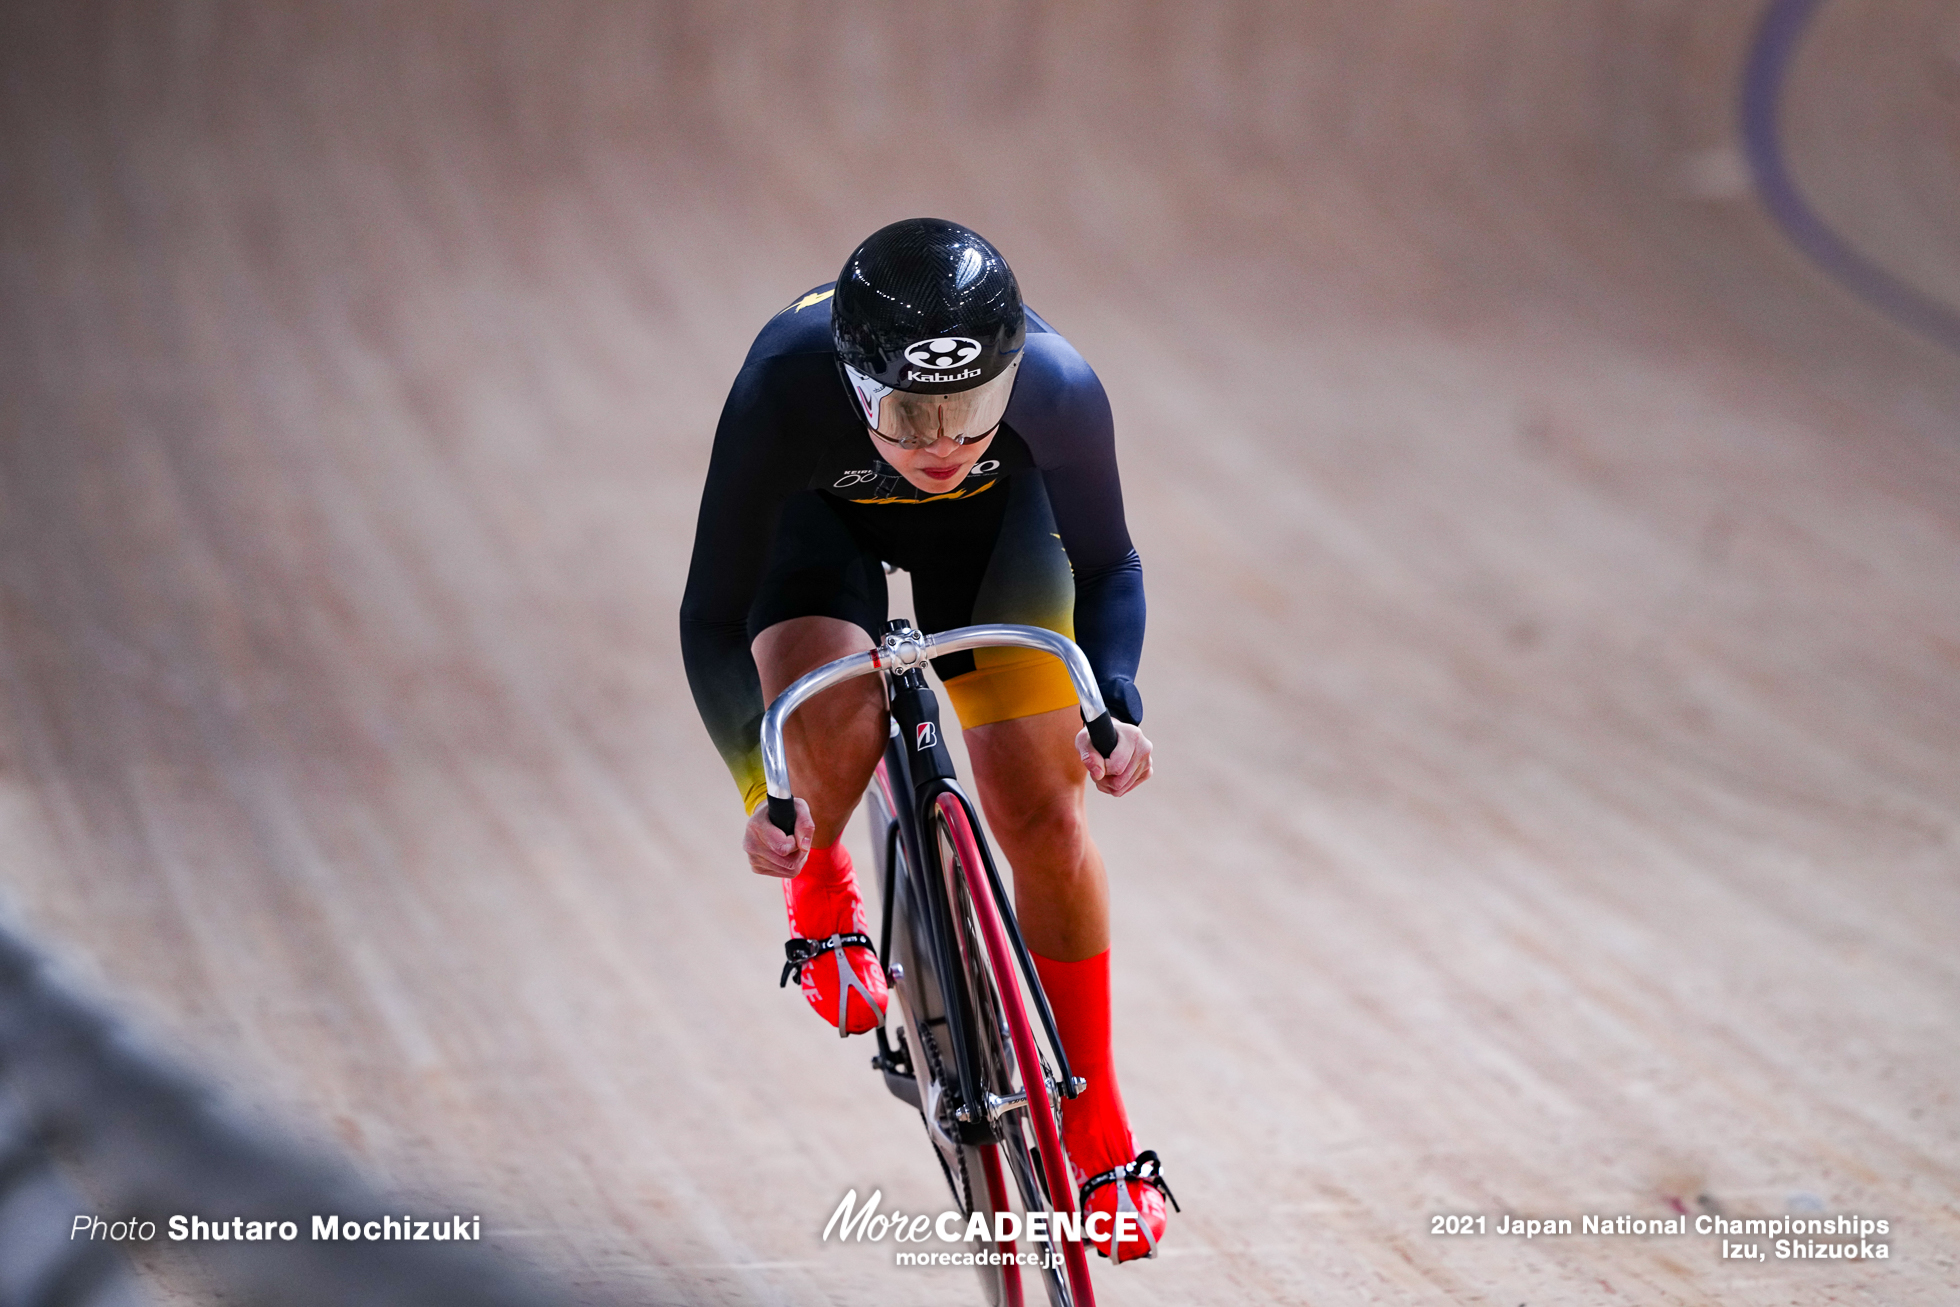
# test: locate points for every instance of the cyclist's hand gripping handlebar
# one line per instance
(782, 814)
(1102, 733)
(907, 649)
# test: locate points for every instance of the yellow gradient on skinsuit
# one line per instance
(746, 767)
(1029, 581)
(962, 493)
(1010, 683)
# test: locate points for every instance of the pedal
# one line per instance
(903, 1086)
(895, 1064)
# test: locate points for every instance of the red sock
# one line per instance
(822, 898)
(1095, 1129)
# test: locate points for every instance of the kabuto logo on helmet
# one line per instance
(926, 305)
(942, 352)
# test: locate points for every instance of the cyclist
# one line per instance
(915, 412)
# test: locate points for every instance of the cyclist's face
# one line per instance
(938, 467)
(932, 439)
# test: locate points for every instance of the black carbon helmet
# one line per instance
(927, 305)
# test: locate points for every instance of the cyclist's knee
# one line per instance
(790, 648)
(1026, 814)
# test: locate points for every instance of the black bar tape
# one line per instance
(782, 814)
(1102, 734)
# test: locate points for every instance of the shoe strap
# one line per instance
(799, 951)
(1146, 1169)
(847, 980)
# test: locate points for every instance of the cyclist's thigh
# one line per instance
(1027, 768)
(818, 568)
(822, 594)
(1021, 576)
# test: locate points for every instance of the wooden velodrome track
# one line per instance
(1555, 635)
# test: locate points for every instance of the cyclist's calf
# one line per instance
(1033, 789)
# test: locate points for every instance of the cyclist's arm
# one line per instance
(1109, 614)
(1066, 422)
(756, 464)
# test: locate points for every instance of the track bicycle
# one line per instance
(966, 1055)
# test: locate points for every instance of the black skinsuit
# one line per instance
(799, 510)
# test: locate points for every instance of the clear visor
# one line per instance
(914, 420)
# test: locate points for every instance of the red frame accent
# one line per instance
(1026, 1052)
(1010, 1272)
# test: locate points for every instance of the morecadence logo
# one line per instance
(864, 1223)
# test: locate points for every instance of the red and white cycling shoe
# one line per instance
(1136, 1190)
(1095, 1128)
(829, 952)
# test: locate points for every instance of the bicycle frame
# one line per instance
(902, 656)
(919, 770)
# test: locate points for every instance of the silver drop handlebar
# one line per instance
(903, 651)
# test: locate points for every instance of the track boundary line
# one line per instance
(1778, 37)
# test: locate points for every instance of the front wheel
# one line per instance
(1019, 1080)
(973, 1171)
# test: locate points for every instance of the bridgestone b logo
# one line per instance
(927, 735)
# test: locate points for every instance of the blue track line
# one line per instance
(1770, 57)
